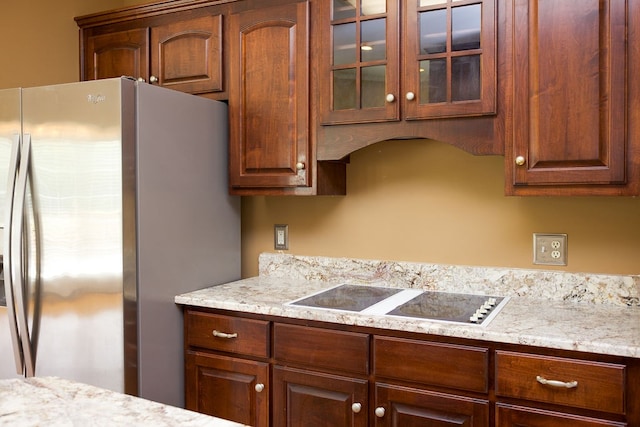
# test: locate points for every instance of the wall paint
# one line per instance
(426, 201)
(416, 200)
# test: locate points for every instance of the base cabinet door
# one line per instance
(228, 387)
(311, 399)
(517, 416)
(398, 406)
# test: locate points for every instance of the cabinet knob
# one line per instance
(356, 407)
(379, 412)
(520, 160)
(299, 166)
(153, 79)
(259, 387)
(140, 79)
(390, 98)
(410, 96)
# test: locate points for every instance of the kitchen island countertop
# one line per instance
(52, 402)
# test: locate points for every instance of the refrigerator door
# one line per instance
(10, 130)
(73, 231)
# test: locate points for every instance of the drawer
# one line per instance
(509, 415)
(446, 365)
(598, 386)
(321, 348)
(227, 333)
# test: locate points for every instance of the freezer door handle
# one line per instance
(8, 255)
(17, 257)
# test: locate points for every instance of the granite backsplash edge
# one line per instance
(618, 290)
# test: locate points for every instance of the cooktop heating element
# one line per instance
(413, 303)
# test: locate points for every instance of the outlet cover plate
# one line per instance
(281, 237)
(549, 249)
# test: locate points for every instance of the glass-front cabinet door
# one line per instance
(360, 71)
(445, 67)
(450, 59)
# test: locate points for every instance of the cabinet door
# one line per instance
(569, 70)
(406, 407)
(122, 53)
(359, 61)
(269, 97)
(449, 64)
(517, 416)
(227, 387)
(186, 55)
(311, 399)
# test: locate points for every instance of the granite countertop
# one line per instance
(50, 401)
(582, 322)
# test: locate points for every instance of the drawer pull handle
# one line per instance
(555, 383)
(223, 334)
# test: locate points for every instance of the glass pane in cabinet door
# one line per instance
(431, 2)
(344, 44)
(344, 9)
(465, 25)
(433, 31)
(433, 81)
(344, 89)
(373, 7)
(373, 86)
(373, 46)
(465, 78)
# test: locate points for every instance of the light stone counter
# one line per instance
(582, 312)
(53, 402)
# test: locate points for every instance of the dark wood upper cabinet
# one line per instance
(181, 50)
(269, 97)
(392, 69)
(548, 84)
(446, 66)
(272, 143)
(570, 64)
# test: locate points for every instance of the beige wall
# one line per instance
(426, 201)
(407, 200)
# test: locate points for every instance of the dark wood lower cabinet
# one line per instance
(228, 387)
(398, 406)
(266, 371)
(516, 416)
(313, 399)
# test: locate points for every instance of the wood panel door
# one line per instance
(186, 55)
(518, 416)
(313, 399)
(269, 97)
(569, 99)
(121, 53)
(228, 387)
(398, 406)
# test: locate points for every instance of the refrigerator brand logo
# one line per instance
(94, 99)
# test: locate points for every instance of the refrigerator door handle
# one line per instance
(17, 264)
(8, 255)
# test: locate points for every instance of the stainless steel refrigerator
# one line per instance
(115, 201)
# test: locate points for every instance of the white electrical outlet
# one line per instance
(281, 237)
(549, 249)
